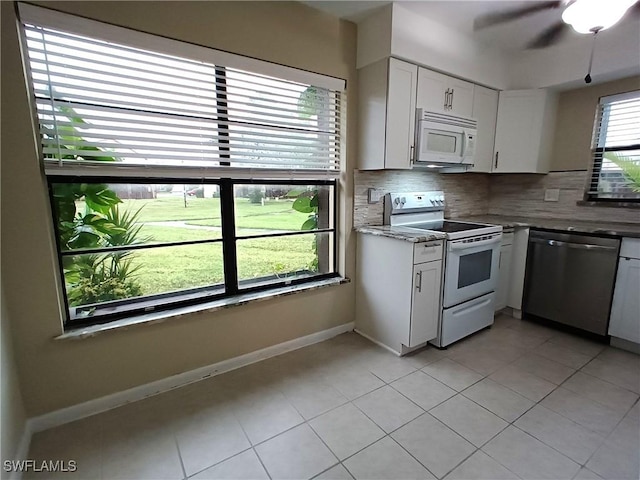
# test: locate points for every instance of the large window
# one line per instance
(175, 176)
(616, 149)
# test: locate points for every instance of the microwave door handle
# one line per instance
(481, 243)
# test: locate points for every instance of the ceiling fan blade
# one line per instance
(548, 37)
(490, 19)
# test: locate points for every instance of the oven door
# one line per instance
(471, 269)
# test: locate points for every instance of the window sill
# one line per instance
(157, 317)
(603, 203)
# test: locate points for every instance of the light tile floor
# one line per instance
(518, 400)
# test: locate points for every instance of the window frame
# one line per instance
(598, 150)
(225, 175)
(196, 295)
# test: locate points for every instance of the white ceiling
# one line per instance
(459, 15)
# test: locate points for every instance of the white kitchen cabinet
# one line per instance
(425, 304)
(485, 111)
(502, 291)
(624, 321)
(442, 93)
(398, 291)
(386, 109)
(517, 270)
(524, 131)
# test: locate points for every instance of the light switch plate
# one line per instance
(551, 194)
(375, 195)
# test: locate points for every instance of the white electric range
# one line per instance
(472, 255)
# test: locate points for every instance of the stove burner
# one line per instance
(445, 226)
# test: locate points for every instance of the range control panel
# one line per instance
(427, 201)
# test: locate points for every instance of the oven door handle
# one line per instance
(467, 245)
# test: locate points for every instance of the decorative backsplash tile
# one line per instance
(471, 194)
(465, 194)
(523, 195)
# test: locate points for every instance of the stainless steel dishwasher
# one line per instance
(569, 278)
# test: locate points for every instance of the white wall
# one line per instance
(396, 31)
(12, 417)
(432, 44)
(617, 55)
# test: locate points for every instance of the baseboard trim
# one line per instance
(102, 404)
(377, 342)
(23, 450)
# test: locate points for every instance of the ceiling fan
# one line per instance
(585, 16)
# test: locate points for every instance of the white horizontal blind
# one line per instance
(109, 105)
(616, 148)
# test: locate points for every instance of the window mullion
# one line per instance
(229, 254)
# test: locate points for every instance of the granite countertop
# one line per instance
(401, 233)
(567, 225)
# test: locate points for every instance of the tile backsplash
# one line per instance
(522, 195)
(470, 194)
(466, 194)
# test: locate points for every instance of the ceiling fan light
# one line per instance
(585, 16)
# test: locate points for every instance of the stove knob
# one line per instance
(433, 202)
(396, 200)
(441, 199)
(403, 200)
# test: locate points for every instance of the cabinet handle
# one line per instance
(419, 281)
(496, 164)
(451, 100)
(411, 153)
(446, 99)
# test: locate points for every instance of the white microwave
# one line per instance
(444, 140)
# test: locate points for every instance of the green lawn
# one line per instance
(167, 269)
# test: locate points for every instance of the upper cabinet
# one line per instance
(485, 111)
(524, 131)
(386, 109)
(441, 93)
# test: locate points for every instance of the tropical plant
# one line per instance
(630, 168)
(92, 278)
(307, 202)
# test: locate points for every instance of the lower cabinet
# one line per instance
(398, 291)
(517, 269)
(502, 292)
(425, 302)
(624, 321)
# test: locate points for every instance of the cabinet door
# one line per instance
(461, 99)
(502, 291)
(431, 91)
(485, 111)
(518, 131)
(401, 114)
(625, 311)
(425, 302)
(518, 268)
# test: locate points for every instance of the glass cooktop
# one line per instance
(445, 226)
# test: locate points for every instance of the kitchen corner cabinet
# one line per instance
(504, 275)
(398, 290)
(485, 111)
(442, 93)
(624, 321)
(524, 131)
(386, 114)
(517, 269)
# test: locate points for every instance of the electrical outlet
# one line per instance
(375, 195)
(551, 194)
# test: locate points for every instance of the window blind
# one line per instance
(115, 107)
(616, 148)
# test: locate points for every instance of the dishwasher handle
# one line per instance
(577, 246)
